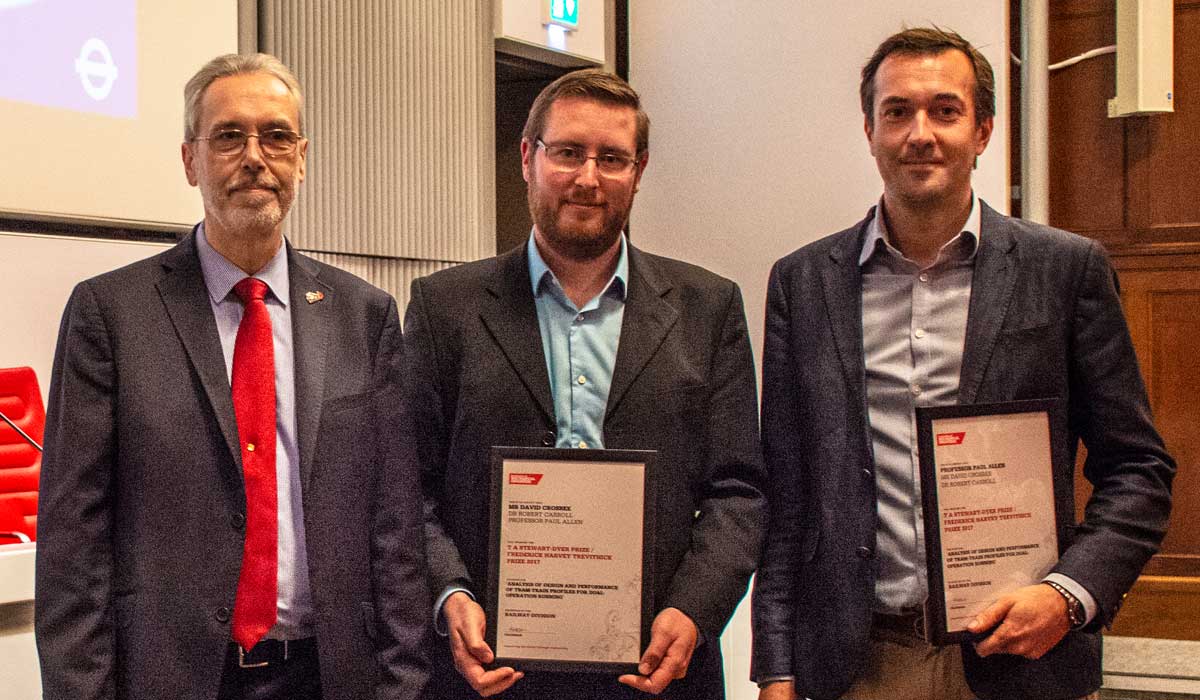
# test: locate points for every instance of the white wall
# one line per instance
(41, 271)
(757, 142)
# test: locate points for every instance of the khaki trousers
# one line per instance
(905, 667)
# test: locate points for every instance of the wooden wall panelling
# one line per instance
(1160, 295)
(1087, 149)
(1164, 151)
(1134, 184)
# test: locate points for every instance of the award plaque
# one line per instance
(987, 487)
(569, 567)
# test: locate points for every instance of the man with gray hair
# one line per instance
(226, 512)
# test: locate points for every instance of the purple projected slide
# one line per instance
(73, 54)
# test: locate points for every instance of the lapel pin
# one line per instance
(313, 297)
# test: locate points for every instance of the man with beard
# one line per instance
(580, 340)
(220, 515)
(935, 299)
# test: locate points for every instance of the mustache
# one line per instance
(255, 183)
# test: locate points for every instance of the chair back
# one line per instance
(20, 462)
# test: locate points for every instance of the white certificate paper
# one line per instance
(995, 511)
(569, 562)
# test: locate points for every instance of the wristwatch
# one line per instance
(1076, 615)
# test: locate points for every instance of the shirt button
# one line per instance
(916, 390)
(864, 552)
(924, 276)
(222, 614)
(582, 445)
(582, 379)
(920, 332)
(548, 438)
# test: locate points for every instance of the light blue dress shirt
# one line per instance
(294, 596)
(914, 328)
(580, 347)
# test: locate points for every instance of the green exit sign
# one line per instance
(564, 13)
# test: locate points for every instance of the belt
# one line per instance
(275, 651)
(910, 623)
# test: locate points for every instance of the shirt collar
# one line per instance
(220, 275)
(877, 233)
(540, 273)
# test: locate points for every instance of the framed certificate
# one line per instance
(988, 491)
(570, 564)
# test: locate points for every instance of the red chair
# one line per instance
(20, 462)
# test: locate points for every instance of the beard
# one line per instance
(578, 241)
(250, 216)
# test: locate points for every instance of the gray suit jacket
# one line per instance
(683, 384)
(1044, 321)
(142, 506)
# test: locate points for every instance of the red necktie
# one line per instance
(254, 407)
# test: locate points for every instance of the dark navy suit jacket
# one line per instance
(1044, 321)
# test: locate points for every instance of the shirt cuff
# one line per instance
(1089, 603)
(439, 622)
(764, 682)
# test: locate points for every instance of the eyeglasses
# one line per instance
(571, 158)
(273, 142)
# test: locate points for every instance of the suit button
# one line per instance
(548, 438)
(867, 474)
(864, 552)
(222, 615)
(238, 521)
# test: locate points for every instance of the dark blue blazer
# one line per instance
(1044, 321)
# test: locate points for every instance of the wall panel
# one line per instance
(399, 111)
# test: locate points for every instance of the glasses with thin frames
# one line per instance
(272, 142)
(568, 159)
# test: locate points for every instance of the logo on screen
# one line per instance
(524, 479)
(96, 69)
(950, 438)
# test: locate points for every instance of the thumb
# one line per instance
(991, 616)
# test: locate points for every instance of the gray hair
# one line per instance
(234, 64)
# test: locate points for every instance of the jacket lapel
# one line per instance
(310, 327)
(186, 299)
(647, 319)
(511, 317)
(991, 292)
(842, 286)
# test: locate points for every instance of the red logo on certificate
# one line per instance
(524, 479)
(950, 438)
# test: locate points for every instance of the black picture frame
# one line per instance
(501, 454)
(1060, 471)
